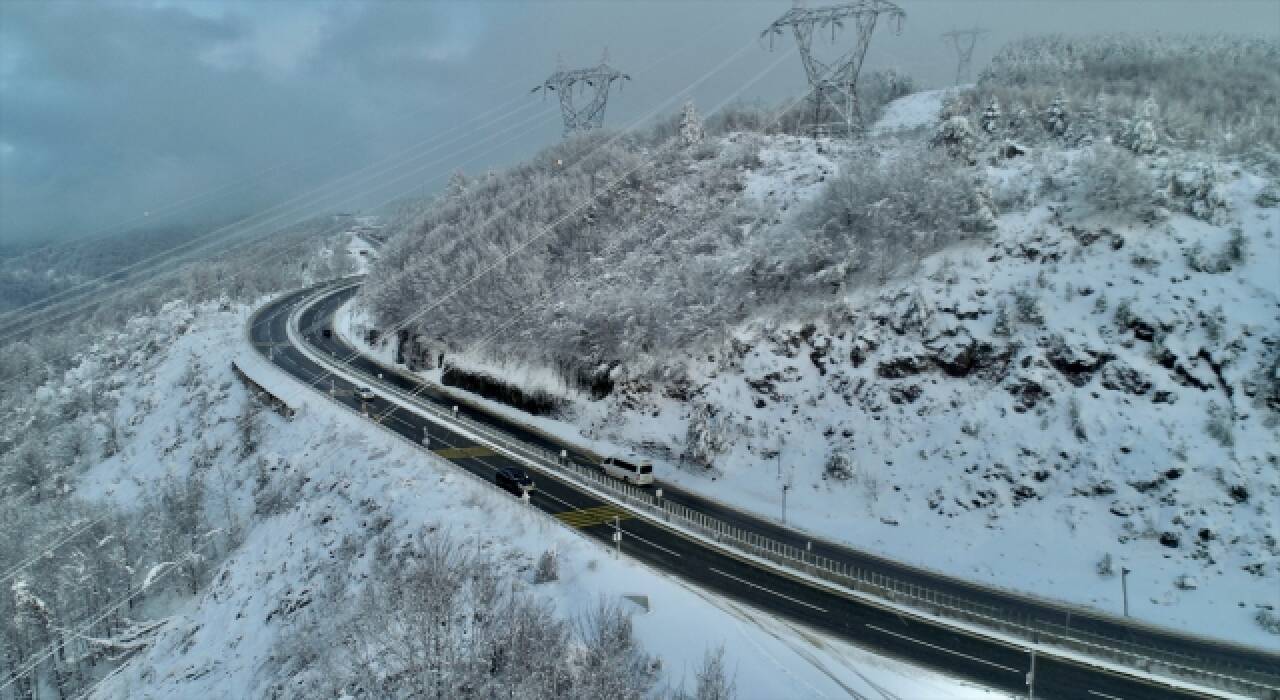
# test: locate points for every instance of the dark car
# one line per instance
(328, 332)
(514, 480)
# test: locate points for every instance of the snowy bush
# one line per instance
(955, 136)
(548, 568)
(1200, 190)
(711, 682)
(1214, 92)
(691, 131)
(1219, 425)
(435, 620)
(1268, 620)
(838, 467)
(1105, 567)
(1112, 180)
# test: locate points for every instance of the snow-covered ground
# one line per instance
(1074, 395)
(916, 111)
(322, 488)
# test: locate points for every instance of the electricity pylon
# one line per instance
(597, 81)
(964, 40)
(834, 86)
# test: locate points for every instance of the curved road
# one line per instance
(974, 656)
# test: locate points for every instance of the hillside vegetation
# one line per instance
(1042, 308)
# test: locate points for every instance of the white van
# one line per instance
(632, 468)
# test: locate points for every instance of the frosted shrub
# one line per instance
(1027, 305)
(1113, 180)
(548, 568)
(1105, 567)
(1218, 425)
(955, 136)
(1268, 620)
(712, 683)
(838, 467)
(1200, 191)
(874, 219)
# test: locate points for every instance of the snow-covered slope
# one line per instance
(917, 111)
(298, 516)
(1089, 386)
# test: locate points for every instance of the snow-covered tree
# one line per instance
(1056, 118)
(457, 186)
(691, 129)
(992, 116)
(712, 682)
(1142, 137)
(955, 135)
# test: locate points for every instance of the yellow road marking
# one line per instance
(588, 517)
(465, 452)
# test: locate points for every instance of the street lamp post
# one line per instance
(1124, 588)
(785, 488)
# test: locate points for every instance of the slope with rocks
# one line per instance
(1075, 373)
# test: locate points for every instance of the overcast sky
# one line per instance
(117, 114)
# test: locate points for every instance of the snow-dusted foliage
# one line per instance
(297, 255)
(1022, 342)
(691, 131)
(992, 117)
(955, 135)
(1214, 92)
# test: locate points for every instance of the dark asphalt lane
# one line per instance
(961, 654)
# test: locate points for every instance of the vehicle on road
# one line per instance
(328, 332)
(514, 480)
(632, 468)
(364, 393)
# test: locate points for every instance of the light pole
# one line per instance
(785, 488)
(1124, 588)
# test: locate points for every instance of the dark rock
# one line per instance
(907, 394)
(1075, 361)
(1021, 493)
(1028, 393)
(1239, 493)
(900, 367)
(1142, 330)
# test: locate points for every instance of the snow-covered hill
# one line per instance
(259, 547)
(1087, 383)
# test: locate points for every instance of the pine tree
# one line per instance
(457, 186)
(955, 134)
(1056, 118)
(691, 130)
(991, 116)
(1142, 137)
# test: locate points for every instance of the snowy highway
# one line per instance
(988, 659)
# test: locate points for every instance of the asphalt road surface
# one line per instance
(944, 649)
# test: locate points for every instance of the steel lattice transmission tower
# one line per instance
(596, 81)
(964, 40)
(833, 87)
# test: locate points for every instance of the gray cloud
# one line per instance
(196, 111)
